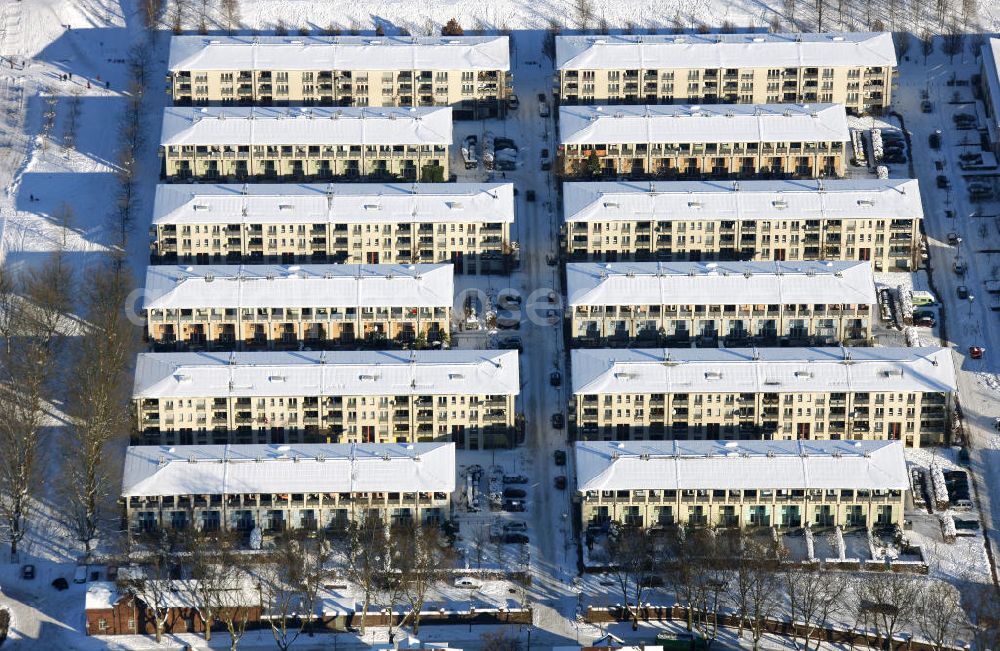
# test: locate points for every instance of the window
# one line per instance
(102, 624)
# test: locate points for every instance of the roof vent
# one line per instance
(276, 378)
(456, 376)
(803, 374)
(758, 39)
(866, 202)
(365, 377)
(285, 206)
(623, 376)
(694, 204)
(713, 375)
(199, 207)
(779, 204)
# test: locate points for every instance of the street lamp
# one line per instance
(971, 298)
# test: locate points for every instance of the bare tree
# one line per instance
(452, 28)
(180, 9)
(939, 614)
(499, 641)
(421, 559)
(49, 290)
(289, 584)
(885, 599)
(97, 393)
(367, 558)
(480, 542)
(231, 14)
(631, 553)
(983, 611)
(952, 42)
(902, 43)
(819, 15)
(150, 583)
(790, 6)
(10, 303)
(764, 594)
(280, 28)
(208, 558)
(812, 596)
(584, 13)
(684, 567)
(926, 44)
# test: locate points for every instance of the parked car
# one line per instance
(924, 318)
(926, 106)
(512, 493)
(60, 583)
(513, 506)
(511, 343)
(530, 195)
(515, 479)
(513, 102)
(959, 267)
(934, 140)
(963, 292)
(555, 378)
(561, 482)
(516, 539)
(558, 422)
(976, 352)
(939, 165)
(468, 582)
(560, 457)
(28, 572)
(953, 238)
(943, 182)
(515, 526)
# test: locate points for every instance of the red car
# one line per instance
(976, 352)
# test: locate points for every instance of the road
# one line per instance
(967, 323)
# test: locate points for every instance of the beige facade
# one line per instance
(471, 74)
(466, 224)
(729, 303)
(227, 307)
(856, 70)
(858, 219)
(304, 143)
(274, 488)
(903, 394)
(782, 484)
(461, 396)
(711, 141)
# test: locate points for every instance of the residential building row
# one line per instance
(896, 394)
(467, 224)
(225, 307)
(853, 69)
(304, 143)
(692, 141)
(872, 220)
(782, 484)
(471, 74)
(637, 304)
(277, 487)
(466, 397)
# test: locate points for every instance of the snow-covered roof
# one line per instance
(101, 595)
(305, 125)
(742, 200)
(644, 52)
(762, 370)
(152, 470)
(709, 123)
(719, 465)
(991, 72)
(319, 53)
(318, 203)
(326, 373)
(720, 283)
(296, 286)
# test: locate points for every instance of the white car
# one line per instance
(468, 582)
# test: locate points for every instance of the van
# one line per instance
(922, 298)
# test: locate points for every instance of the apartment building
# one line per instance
(467, 224)
(471, 74)
(782, 484)
(278, 487)
(989, 76)
(874, 220)
(853, 69)
(226, 307)
(718, 141)
(896, 394)
(466, 397)
(304, 143)
(728, 303)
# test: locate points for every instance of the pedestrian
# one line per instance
(71, 76)
(107, 84)
(31, 197)
(88, 84)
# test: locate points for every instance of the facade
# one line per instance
(226, 307)
(875, 220)
(467, 224)
(728, 303)
(853, 69)
(783, 484)
(279, 487)
(471, 74)
(463, 396)
(303, 143)
(903, 394)
(716, 141)
(989, 75)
